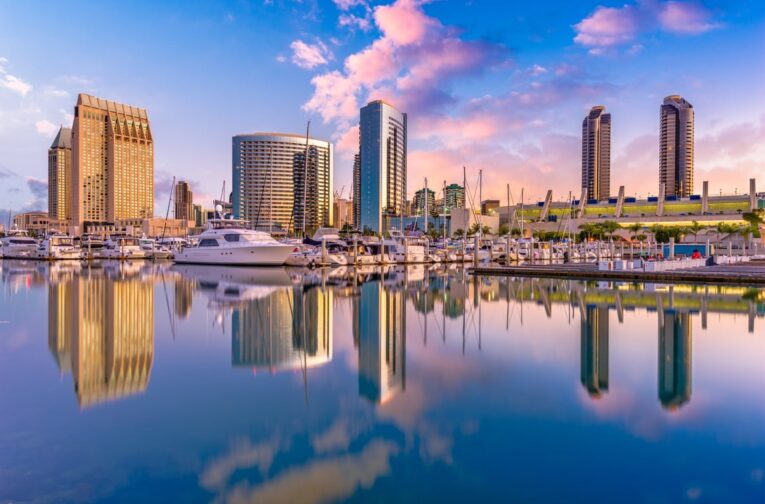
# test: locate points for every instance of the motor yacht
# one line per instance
(91, 246)
(402, 251)
(227, 242)
(58, 248)
(17, 244)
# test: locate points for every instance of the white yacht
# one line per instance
(226, 242)
(57, 248)
(154, 250)
(123, 247)
(17, 244)
(402, 251)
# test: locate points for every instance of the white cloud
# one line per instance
(45, 127)
(309, 56)
(55, 92)
(11, 82)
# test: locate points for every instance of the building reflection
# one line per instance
(182, 300)
(288, 328)
(594, 350)
(674, 358)
(379, 329)
(103, 331)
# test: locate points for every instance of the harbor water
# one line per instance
(142, 382)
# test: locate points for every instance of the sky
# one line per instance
(497, 87)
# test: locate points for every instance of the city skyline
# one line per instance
(507, 100)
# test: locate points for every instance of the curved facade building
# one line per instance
(596, 154)
(274, 188)
(676, 146)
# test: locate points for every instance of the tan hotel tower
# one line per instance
(112, 162)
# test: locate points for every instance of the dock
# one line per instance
(751, 273)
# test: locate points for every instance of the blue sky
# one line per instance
(497, 86)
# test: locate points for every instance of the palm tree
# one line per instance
(635, 229)
(694, 228)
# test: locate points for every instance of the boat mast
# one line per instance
(425, 213)
(271, 190)
(167, 214)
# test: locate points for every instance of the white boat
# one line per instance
(123, 248)
(226, 242)
(91, 246)
(404, 252)
(154, 250)
(58, 248)
(17, 244)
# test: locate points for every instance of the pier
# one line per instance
(750, 273)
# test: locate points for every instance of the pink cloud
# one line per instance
(686, 17)
(609, 27)
(404, 22)
(309, 56)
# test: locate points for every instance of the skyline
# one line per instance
(498, 88)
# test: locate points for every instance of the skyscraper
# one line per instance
(112, 162)
(184, 201)
(596, 154)
(676, 146)
(418, 206)
(60, 176)
(382, 164)
(270, 184)
(454, 197)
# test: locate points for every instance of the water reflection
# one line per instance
(430, 363)
(101, 329)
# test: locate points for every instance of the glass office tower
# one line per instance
(382, 165)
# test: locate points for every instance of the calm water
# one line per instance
(141, 383)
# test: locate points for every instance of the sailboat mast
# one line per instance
(305, 177)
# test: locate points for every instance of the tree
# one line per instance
(459, 233)
(755, 219)
(635, 229)
(589, 230)
(346, 230)
(694, 228)
(503, 230)
(486, 230)
(367, 231)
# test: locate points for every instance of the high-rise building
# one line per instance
(675, 354)
(382, 164)
(356, 190)
(454, 197)
(596, 154)
(274, 186)
(184, 201)
(112, 162)
(676, 146)
(343, 212)
(60, 176)
(418, 205)
(593, 353)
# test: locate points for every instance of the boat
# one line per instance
(154, 250)
(123, 248)
(403, 251)
(58, 248)
(227, 242)
(91, 246)
(17, 244)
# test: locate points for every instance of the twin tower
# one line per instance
(675, 150)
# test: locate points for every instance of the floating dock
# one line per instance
(751, 273)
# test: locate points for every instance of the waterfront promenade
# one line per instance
(751, 273)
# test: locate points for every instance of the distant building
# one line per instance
(112, 162)
(596, 154)
(184, 201)
(343, 212)
(60, 175)
(36, 223)
(676, 145)
(418, 205)
(488, 207)
(454, 197)
(382, 164)
(270, 184)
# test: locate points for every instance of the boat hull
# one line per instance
(275, 255)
